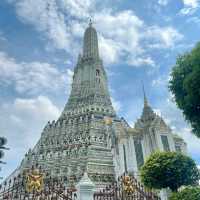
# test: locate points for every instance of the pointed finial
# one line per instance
(90, 21)
(145, 98)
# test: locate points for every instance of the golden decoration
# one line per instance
(35, 181)
(128, 186)
(108, 120)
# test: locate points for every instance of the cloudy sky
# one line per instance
(39, 43)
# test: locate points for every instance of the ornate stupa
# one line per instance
(79, 140)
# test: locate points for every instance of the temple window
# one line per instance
(178, 148)
(139, 153)
(125, 162)
(97, 72)
(165, 143)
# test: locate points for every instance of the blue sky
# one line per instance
(39, 43)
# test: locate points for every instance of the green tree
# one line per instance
(169, 170)
(191, 193)
(185, 86)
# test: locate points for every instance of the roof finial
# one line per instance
(145, 98)
(90, 21)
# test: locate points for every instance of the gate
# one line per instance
(34, 185)
(126, 188)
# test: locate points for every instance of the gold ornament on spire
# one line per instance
(108, 120)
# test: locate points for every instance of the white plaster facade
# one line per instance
(152, 133)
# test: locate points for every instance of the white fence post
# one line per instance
(85, 188)
(164, 194)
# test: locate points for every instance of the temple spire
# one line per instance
(90, 44)
(145, 97)
(89, 86)
(147, 113)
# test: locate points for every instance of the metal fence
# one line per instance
(126, 188)
(35, 186)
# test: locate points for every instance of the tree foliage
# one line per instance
(185, 86)
(191, 193)
(169, 170)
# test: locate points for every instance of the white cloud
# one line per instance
(122, 42)
(161, 81)
(157, 82)
(116, 104)
(190, 6)
(163, 37)
(163, 2)
(45, 17)
(32, 77)
(126, 42)
(109, 50)
(123, 36)
(148, 61)
(51, 18)
(77, 8)
(2, 37)
(191, 140)
(195, 20)
(32, 108)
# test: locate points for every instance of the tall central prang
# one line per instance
(89, 87)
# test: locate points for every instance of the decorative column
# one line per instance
(85, 188)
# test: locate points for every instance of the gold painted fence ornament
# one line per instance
(35, 181)
(128, 185)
